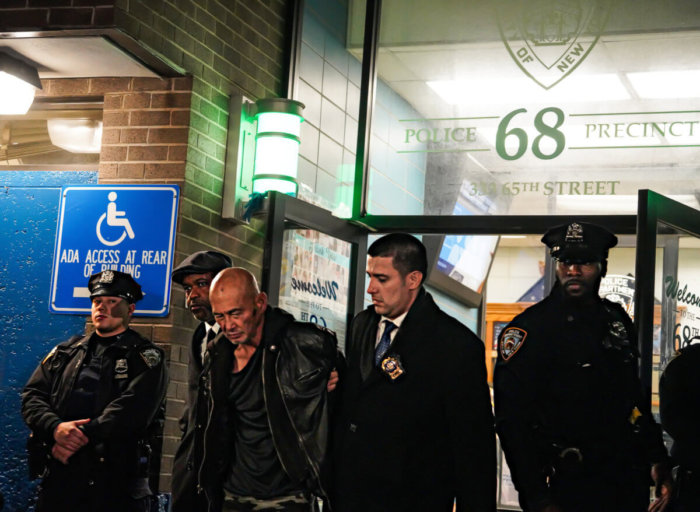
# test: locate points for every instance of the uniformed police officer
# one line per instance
(679, 391)
(89, 405)
(569, 411)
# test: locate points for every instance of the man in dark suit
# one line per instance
(195, 275)
(415, 428)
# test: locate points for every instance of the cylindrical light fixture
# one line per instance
(277, 145)
(18, 83)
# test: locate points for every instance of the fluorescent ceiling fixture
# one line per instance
(76, 135)
(610, 204)
(18, 83)
(598, 88)
(666, 84)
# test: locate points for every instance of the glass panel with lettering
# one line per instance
(315, 279)
(677, 299)
(534, 106)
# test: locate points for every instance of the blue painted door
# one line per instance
(28, 213)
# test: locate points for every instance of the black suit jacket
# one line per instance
(188, 457)
(421, 441)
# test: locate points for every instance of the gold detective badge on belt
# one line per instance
(391, 365)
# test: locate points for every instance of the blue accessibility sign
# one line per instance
(130, 228)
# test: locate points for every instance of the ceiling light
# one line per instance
(76, 135)
(18, 83)
(618, 204)
(495, 91)
(666, 84)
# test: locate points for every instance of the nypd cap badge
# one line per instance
(107, 276)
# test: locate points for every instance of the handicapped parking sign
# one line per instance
(130, 228)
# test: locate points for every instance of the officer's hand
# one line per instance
(332, 380)
(660, 503)
(661, 473)
(69, 436)
(61, 454)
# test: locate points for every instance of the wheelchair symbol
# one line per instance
(114, 218)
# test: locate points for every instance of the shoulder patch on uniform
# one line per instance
(151, 356)
(511, 341)
(49, 355)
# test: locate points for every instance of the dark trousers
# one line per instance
(687, 491)
(294, 503)
(67, 501)
(597, 493)
(73, 488)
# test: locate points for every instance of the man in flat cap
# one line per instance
(90, 405)
(195, 275)
(569, 411)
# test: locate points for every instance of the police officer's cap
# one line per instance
(200, 263)
(113, 283)
(579, 241)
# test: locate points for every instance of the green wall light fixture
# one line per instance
(18, 83)
(277, 145)
(262, 153)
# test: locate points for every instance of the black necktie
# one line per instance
(211, 334)
(384, 342)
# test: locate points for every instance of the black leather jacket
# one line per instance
(132, 388)
(297, 361)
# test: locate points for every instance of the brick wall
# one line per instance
(18, 15)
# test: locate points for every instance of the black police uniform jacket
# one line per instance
(679, 392)
(425, 438)
(297, 360)
(185, 493)
(565, 384)
(129, 400)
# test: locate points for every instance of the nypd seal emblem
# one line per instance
(151, 356)
(618, 330)
(548, 39)
(511, 341)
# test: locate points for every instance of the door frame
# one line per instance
(652, 209)
(286, 212)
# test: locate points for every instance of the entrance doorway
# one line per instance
(485, 270)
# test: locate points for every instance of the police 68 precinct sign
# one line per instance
(130, 228)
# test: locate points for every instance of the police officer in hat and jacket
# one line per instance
(569, 410)
(195, 275)
(90, 404)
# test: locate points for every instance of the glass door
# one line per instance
(667, 310)
(313, 263)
